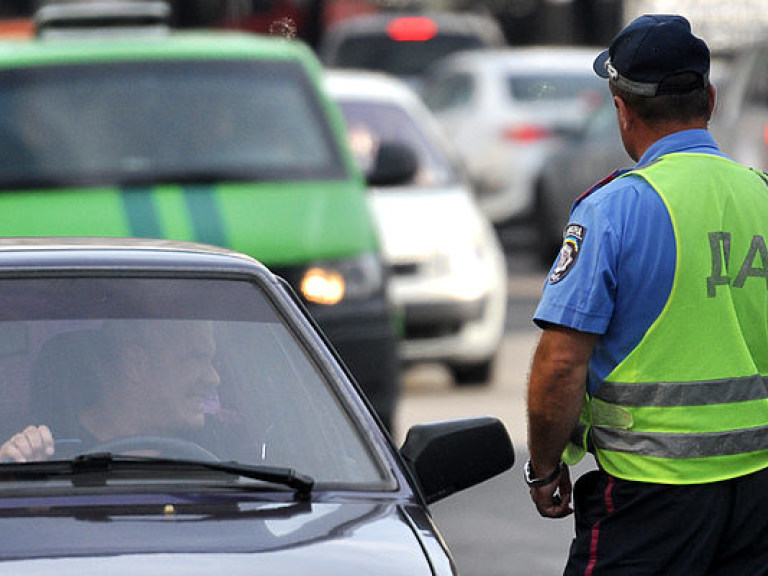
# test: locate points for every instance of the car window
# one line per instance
(757, 93)
(541, 88)
(201, 362)
(601, 122)
(369, 123)
(380, 52)
(139, 122)
(448, 92)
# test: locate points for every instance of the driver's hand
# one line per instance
(33, 443)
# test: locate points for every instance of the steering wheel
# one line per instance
(177, 447)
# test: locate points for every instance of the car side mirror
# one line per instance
(395, 163)
(449, 456)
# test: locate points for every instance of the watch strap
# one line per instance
(536, 482)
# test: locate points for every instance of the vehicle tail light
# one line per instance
(412, 29)
(526, 133)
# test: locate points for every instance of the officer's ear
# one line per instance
(712, 101)
(624, 113)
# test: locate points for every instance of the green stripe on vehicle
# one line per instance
(204, 213)
(141, 212)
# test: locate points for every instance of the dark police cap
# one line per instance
(656, 55)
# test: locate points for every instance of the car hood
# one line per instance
(214, 538)
(417, 222)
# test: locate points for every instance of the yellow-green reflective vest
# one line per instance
(690, 403)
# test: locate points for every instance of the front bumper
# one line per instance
(431, 313)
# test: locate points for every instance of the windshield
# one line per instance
(548, 88)
(370, 123)
(183, 368)
(149, 122)
(379, 52)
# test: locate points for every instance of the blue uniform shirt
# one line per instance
(624, 247)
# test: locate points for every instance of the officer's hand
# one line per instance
(33, 443)
(553, 500)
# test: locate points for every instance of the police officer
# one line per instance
(654, 349)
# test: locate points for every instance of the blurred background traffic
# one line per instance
(473, 124)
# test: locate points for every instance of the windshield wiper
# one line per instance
(96, 468)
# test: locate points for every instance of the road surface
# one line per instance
(493, 529)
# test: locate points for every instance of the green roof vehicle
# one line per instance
(120, 127)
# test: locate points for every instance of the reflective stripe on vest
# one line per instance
(689, 404)
(721, 391)
(683, 446)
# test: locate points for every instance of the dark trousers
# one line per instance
(634, 528)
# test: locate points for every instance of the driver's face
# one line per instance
(183, 377)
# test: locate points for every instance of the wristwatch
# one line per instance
(536, 482)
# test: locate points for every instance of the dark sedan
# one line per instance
(171, 408)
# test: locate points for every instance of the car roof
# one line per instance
(468, 22)
(89, 253)
(372, 85)
(184, 44)
(533, 58)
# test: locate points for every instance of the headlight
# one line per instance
(331, 281)
(323, 286)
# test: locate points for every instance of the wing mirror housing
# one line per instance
(449, 456)
(396, 163)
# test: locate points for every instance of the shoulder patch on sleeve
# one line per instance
(569, 252)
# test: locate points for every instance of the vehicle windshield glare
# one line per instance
(184, 368)
(548, 88)
(371, 123)
(149, 122)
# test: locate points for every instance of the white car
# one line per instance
(503, 109)
(740, 121)
(449, 275)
